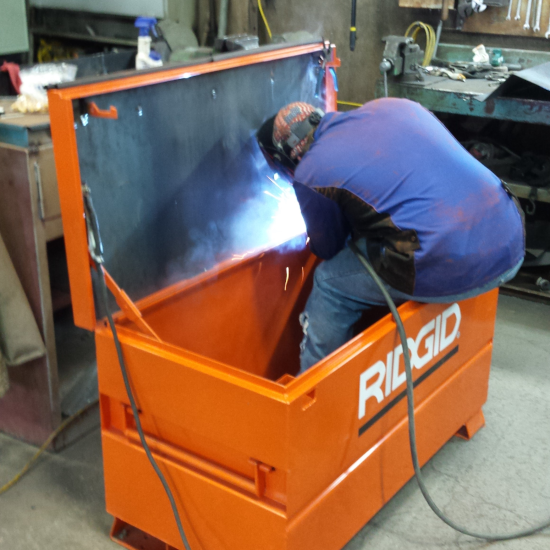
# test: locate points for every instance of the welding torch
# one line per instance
(353, 28)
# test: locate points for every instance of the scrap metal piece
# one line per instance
(236, 42)
(441, 71)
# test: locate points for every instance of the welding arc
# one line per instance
(105, 300)
(412, 422)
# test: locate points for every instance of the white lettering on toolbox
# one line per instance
(431, 341)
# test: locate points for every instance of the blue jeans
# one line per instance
(342, 291)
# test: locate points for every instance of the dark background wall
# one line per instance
(375, 19)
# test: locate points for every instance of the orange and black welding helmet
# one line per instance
(284, 138)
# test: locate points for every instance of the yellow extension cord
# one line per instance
(430, 39)
(260, 7)
(45, 445)
(350, 103)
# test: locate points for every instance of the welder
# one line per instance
(436, 225)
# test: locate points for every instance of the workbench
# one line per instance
(44, 390)
(442, 95)
(30, 224)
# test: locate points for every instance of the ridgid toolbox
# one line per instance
(258, 458)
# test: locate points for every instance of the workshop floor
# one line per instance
(498, 482)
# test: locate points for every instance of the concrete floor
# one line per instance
(498, 482)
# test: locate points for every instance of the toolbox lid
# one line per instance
(172, 163)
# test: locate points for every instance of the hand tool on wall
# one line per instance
(444, 17)
(536, 28)
(353, 28)
(527, 26)
(518, 11)
(509, 15)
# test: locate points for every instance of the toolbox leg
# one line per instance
(471, 427)
(134, 539)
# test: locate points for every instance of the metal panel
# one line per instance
(178, 180)
(151, 8)
(14, 36)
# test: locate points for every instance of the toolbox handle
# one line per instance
(254, 486)
(95, 111)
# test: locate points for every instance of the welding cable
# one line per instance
(45, 445)
(415, 28)
(412, 422)
(261, 8)
(135, 412)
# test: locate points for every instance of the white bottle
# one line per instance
(146, 58)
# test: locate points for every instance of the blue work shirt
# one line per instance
(437, 222)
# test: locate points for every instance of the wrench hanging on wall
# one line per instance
(527, 25)
(536, 28)
(518, 11)
(509, 15)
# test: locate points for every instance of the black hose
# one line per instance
(104, 297)
(96, 251)
(412, 425)
(353, 28)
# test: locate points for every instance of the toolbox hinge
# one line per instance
(260, 473)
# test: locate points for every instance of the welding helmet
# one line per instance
(284, 137)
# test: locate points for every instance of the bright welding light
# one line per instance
(287, 219)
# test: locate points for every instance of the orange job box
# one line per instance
(258, 458)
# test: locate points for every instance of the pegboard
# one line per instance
(493, 20)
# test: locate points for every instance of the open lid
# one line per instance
(172, 163)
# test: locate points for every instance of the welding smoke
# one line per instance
(253, 209)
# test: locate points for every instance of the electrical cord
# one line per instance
(412, 423)
(261, 8)
(95, 247)
(350, 103)
(431, 39)
(45, 445)
(135, 412)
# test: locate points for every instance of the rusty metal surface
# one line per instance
(458, 101)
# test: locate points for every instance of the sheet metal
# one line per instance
(180, 165)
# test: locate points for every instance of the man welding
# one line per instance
(436, 224)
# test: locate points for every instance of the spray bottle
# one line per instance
(146, 57)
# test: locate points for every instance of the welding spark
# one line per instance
(273, 196)
(275, 183)
(287, 276)
(287, 219)
(240, 256)
(307, 240)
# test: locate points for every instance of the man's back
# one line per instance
(437, 221)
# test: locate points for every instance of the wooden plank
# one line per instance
(493, 21)
(30, 410)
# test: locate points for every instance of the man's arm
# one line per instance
(326, 225)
